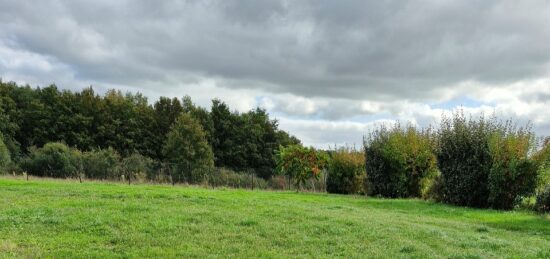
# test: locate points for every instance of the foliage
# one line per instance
(5, 158)
(397, 160)
(127, 123)
(542, 158)
(53, 160)
(346, 172)
(187, 149)
(485, 163)
(301, 163)
(513, 174)
(102, 164)
(464, 159)
(543, 200)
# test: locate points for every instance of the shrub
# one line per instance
(485, 163)
(512, 173)
(397, 159)
(542, 157)
(135, 167)
(53, 160)
(4, 155)
(346, 172)
(543, 200)
(464, 160)
(187, 149)
(102, 164)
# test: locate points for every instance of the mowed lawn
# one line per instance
(58, 219)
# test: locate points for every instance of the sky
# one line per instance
(328, 71)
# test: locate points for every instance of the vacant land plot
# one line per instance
(48, 218)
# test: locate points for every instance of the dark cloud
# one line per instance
(349, 49)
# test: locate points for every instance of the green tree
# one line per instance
(187, 150)
(5, 159)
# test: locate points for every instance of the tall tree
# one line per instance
(187, 150)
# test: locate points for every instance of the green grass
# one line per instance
(59, 219)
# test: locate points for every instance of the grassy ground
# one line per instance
(48, 218)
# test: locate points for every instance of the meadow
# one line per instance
(64, 218)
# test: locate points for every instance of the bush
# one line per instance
(5, 160)
(542, 157)
(397, 160)
(102, 164)
(543, 200)
(512, 175)
(52, 160)
(136, 167)
(464, 160)
(346, 172)
(485, 163)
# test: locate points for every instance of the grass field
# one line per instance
(49, 218)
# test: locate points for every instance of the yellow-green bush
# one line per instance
(346, 172)
(397, 159)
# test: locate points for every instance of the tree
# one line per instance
(301, 163)
(187, 150)
(5, 159)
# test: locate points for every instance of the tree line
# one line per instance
(128, 124)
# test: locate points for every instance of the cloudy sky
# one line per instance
(327, 70)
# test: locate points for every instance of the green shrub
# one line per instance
(542, 157)
(513, 174)
(52, 160)
(464, 160)
(136, 167)
(102, 164)
(346, 172)
(5, 160)
(543, 200)
(397, 159)
(485, 163)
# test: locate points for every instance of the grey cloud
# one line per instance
(348, 49)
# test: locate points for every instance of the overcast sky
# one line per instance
(327, 70)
